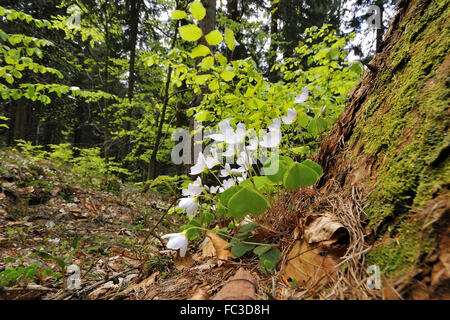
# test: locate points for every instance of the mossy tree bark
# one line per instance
(392, 142)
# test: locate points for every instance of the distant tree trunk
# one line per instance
(20, 120)
(151, 173)
(208, 24)
(134, 25)
(273, 50)
(380, 31)
(105, 127)
(392, 144)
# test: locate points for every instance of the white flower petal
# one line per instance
(276, 124)
(199, 165)
(291, 115)
(217, 137)
(271, 140)
(177, 241)
(303, 96)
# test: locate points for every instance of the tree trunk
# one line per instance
(134, 25)
(273, 50)
(392, 144)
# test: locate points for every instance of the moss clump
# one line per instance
(401, 254)
(405, 121)
(404, 127)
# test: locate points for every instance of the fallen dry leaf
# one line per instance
(309, 263)
(219, 245)
(141, 286)
(242, 286)
(182, 263)
(311, 260)
(322, 228)
(200, 294)
(208, 249)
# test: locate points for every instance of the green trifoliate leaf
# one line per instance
(316, 167)
(299, 175)
(239, 249)
(247, 201)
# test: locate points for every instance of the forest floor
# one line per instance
(54, 230)
(119, 250)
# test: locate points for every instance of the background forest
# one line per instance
(118, 85)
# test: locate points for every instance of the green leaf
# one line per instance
(259, 250)
(208, 217)
(273, 163)
(227, 75)
(248, 227)
(9, 78)
(356, 68)
(303, 119)
(221, 58)
(200, 51)
(203, 116)
(229, 39)
(178, 14)
(190, 32)
(207, 63)
(197, 10)
(239, 249)
(214, 38)
(262, 183)
(315, 166)
(299, 175)
(247, 201)
(225, 196)
(269, 259)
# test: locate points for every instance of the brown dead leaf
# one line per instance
(208, 249)
(322, 228)
(18, 223)
(219, 246)
(3, 240)
(313, 258)
(200, 294)
(141, 286)
(309, 263)
(242, 286)
(182, 263)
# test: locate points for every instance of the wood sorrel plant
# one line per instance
(241, 190)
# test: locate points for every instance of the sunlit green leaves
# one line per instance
(178, 14)
(214, 38)
(229, 39)
(197, 10)
(207, 63)
(200, 51)
(227, 75)
(190, 32)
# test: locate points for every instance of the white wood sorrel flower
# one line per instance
(290, 117)
(227, 133)
(177, 241)
(190, 202)
(303, 96)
